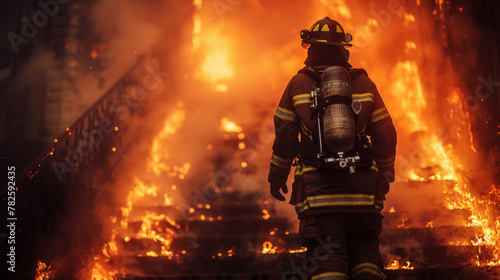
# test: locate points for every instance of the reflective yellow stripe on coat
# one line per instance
(338, 200)
(286, 115)
(379, 115)
(363, 97)
(303, 98)
(281, 162)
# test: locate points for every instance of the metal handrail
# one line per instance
(56, 144)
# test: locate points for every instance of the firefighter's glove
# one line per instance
(275, 190)
(277, 179)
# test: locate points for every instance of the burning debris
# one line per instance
(44, 272)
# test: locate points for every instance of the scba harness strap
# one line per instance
(325, 159)
(335, 99)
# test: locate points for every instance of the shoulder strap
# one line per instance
(316, 73)
(357, 71)
(311, 72)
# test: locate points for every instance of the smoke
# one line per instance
(127, 31)
(120, 37)
(24, 96)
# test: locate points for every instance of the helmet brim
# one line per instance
(343, 44)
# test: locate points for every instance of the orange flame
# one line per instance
(411, 99)
(266, 214)
(268, 248)
(43, 272)
(395, 264)
(230, 126)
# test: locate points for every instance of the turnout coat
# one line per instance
(335, 190)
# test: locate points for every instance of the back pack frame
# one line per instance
(359, 155)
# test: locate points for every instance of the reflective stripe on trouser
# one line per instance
(340, 242)
(367, 271)
(331, 276)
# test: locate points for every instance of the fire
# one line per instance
(101, 271)
(268, 248)
(151, 254)
(442, 157)
(459, 112)
(196, 25)
(153, 224)
(408, 90)
(168, 200)
(446, 154)
(410, 45)
(266, 214)
(139, 191)
(98, 50)
(150, 229)
(297, 251)
(461, 196)
(44, 272)
(215, 48)
(230, 126)
(221, 88)
(404, 221)
(395, 264)
(159, 154)
(409, 18)
(337, 8)
(217, 65)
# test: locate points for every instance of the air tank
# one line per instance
(338, 116)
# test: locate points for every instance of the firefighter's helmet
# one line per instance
(325, 31)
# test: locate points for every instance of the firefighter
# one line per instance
(338, 204)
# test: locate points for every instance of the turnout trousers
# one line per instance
(342, 246)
